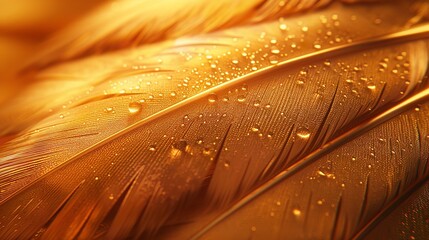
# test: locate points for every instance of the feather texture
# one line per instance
(406, 217)
(24, 24)
(229, 142)
(138, 22)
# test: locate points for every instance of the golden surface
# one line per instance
(220, 119)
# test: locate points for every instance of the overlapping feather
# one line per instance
(24, 24)
(140, 145)
(139, 22)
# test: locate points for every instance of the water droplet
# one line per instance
(244, 87)
(325, 174)
(270, 134)
(180, 145)
(226, 164)
(225, 99)
(213, 65)
(212, 98)
(383, 66)
(199, 141)
(152, 148)
(304, 29)
(303, 133)
(273, 59)
(173, 94)
(256, 103)
(326, 170)
(61, 115)
(241, 98)
(96, 178)
(327, 63)
(134, 107)
(111, 196)
(353, 158)
(296, 212)
(207, 151)
(235, 61)
(371, 86)
(109, 110)
(369, 166)
(283, 26)
(317, 46)
(275, 50)
(255, 129)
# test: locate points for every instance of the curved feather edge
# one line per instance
(138, 22)
(348, 136)
(401, 206)
(54, 225)
(403, 36)
(53, 74)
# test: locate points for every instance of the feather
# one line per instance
(12, 49)
(27, 17)
(92, 75)
(138, 22)
(356, 184)
(406, 217)
(24, 24)
(134, 145)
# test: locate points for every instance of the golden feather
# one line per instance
(231, 134)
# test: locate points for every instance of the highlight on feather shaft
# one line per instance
(207, 122)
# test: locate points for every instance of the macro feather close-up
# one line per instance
(194, 119)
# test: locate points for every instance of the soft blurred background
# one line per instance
(24, 24)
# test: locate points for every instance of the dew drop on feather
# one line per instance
(109, 110)
(303, 133)
(256, 103)
(241, 98)
(273, 59)
(134, 107)
(180, 145)
(296, 212)
(212, 98)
